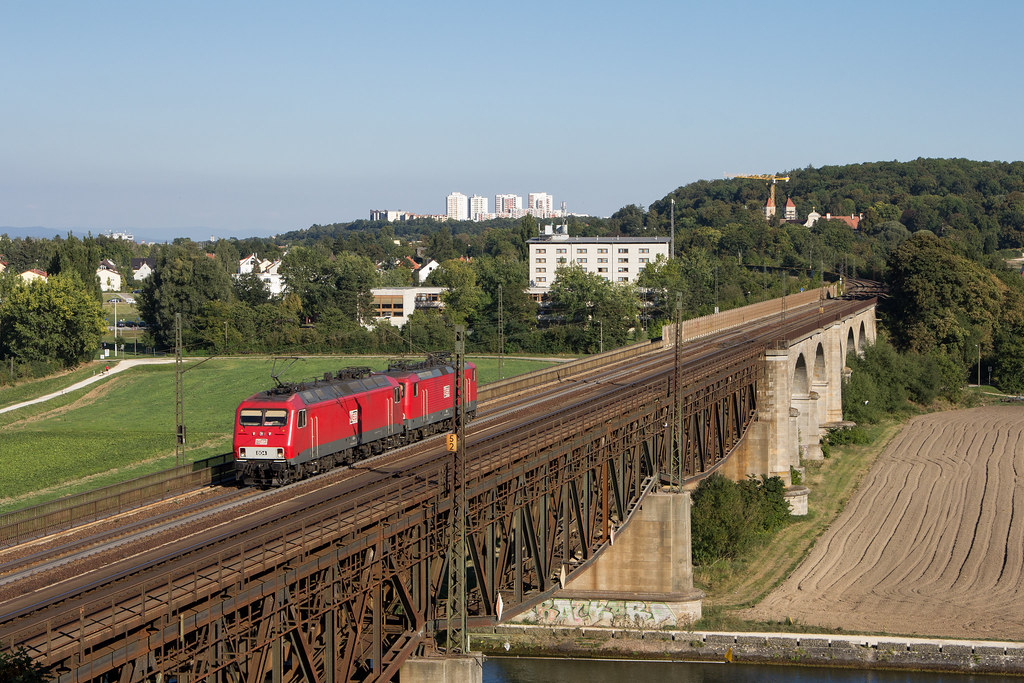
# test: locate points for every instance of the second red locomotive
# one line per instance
(296, 430)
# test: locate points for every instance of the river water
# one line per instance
(530, 670)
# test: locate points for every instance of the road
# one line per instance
(119, 366)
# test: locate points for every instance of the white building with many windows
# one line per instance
(540, 204)
(477, 207)
(616, 259)
(510, 205)
(396, 304)
(458, 204)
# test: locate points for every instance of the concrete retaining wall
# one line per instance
(862, 652)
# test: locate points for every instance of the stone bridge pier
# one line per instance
(644, 578)
(800, 398)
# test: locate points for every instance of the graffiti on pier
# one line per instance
(633, 614)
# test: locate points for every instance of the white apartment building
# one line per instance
(396, 304)
(477, 208)
(388, 215)
(458, 205)
(616, 259)
(508, 205)
(540, 204)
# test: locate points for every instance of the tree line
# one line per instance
(932, 229)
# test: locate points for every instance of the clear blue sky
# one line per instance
(253, 118)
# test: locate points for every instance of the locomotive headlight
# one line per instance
(280, 452)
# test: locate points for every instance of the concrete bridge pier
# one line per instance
(462, 669)
(808, 431)
(643, 580)
(769, 446)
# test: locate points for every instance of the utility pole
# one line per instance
(672, 230)
(115, 329)
(600, 324)
(179, 391)
(677, 409)
(457, 641)
(179, 395)
(501, 336)
(716, 287)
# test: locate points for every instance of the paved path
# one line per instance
(119, 366)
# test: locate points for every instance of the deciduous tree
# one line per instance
(54, 321)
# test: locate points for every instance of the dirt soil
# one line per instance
(932, 543)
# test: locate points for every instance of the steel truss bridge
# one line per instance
(352, 584)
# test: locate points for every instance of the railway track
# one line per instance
(29, 561)
(262, 530)
(20, 569)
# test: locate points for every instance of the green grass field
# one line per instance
(123, 427)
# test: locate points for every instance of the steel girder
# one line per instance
(714, 415)
(353, 596)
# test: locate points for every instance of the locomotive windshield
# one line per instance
(276, 418)
(269, 418)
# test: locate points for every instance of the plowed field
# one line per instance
(932, 543)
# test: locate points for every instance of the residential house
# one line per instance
(269, 272)
(34, 275)
(110, 279)
(426, 269)
(853, 221)
(143, 267)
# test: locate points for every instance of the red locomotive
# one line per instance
(296, 430)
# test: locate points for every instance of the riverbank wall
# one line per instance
(851, 652)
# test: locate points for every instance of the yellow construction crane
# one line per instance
(771, 179)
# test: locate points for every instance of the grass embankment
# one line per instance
(123, 426)
(34, 388)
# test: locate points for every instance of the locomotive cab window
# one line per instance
(250, 418)
(398, 394)
(415, 389)
(276, 418)
(302, 419)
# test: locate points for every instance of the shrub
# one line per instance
(841, 437)
(727, 517)
(18, 667)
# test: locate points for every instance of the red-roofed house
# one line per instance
(852, 221)
(33, 275)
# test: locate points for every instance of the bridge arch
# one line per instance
(820, 374)
(801, 381)
(851, 344)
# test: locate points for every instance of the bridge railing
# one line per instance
(522, 382)
(705, 325)
(81, 508)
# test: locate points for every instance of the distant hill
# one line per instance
(980, 201)
(199, 234)
(38, 232)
